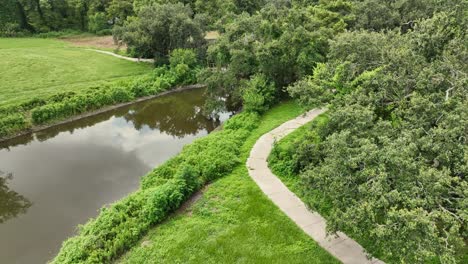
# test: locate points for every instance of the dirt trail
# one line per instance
(123, 57)
(105, 42)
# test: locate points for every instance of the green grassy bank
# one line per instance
(44, 81)
(34, 67)
(232, 222)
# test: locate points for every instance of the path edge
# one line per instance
(313, 224)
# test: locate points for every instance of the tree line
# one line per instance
(391, 159)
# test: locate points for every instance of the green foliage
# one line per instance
(258, 94)
(391, 161)
(98, 22)
(375, 15)
(12, 30)
(159, 29)
(183, 56)
(163, 190)
(247, 120)
(291, 155)
(283, 43)
(80, 103)
(12, 123)
(119, 10)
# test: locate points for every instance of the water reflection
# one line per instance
(69, 171)
(175, 114)
(173, 117)
(11, 203)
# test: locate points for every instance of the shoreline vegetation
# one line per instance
(37, 113)
(38, 128)
(389, 159)
(121, 225)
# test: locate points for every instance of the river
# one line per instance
(56, 179)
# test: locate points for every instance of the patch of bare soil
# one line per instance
(186, 206)
(106, 42)
(212, 35)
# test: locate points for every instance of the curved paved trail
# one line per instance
(342, 247)
(122, 57)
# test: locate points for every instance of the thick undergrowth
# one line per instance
(233, 221)
(290, 160)
(163, 190)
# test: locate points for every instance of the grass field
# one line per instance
(40, 67)
(233, 222)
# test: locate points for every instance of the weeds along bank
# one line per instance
(23, 116)
(232, 221)
(119, 226)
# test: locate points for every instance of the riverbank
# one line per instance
(62, 89)
(68, 172)
(232, 217)
(233, 220)
(38, 128)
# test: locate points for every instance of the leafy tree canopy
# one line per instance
(159, 29)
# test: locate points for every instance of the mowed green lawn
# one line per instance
(32, 67)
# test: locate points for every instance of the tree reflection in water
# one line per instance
(11, 203)
(177, 114)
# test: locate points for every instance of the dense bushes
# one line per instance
(158, 29)
(79, 103)
(258, 94)
(282, 42)
(291, 155)
(98, 23)
(163, 190)
(392, 158)
(12, 123)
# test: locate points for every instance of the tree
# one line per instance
(392, 157)
(159, 29)
(258, 94)
(119, 10)
(281, 42)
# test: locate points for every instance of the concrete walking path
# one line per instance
(342, 247)
(123, 57)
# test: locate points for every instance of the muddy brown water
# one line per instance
(58, 178)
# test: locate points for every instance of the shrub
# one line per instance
(59, 34)
(12, 30)
(32, 103)
(104, 32)
(65, 104)
(163, 190)
(183, 74)
(183, 56)
(98, 23)
(12, 123)
(258, 94)
(10, 109)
